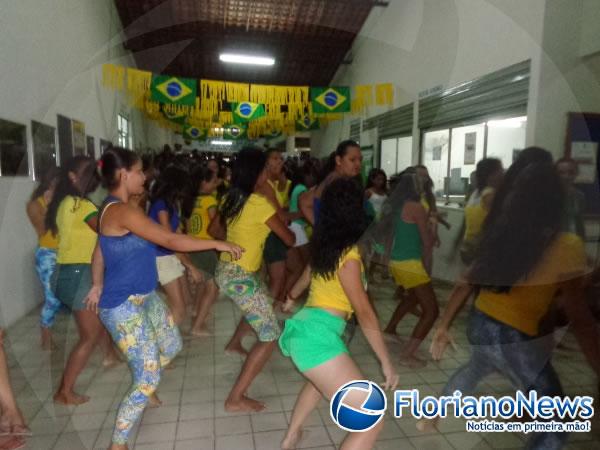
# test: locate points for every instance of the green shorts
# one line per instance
(206, 262)
(275, 249)
(72, 283)
(311, 337)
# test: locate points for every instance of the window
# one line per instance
(396, 154)
(44, 148)
(124, 130)
(13, 149)
(451, 155)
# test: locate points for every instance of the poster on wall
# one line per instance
(585, 155)
(79, 142)
(437, 153)
(470, 139)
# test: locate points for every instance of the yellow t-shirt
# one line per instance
(47, 240)
(475, 215)
(283, 197)
(200, 220)
(76, 240)
(330, 293)
(528, 301)
(249, 231)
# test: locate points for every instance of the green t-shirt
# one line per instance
(298, 189)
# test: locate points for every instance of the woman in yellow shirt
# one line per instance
(205, 210)
(45, 254)
(73, 218)
(313, 336)
(523, 261)
(249, 218)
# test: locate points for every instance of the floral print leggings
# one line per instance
(144, 330)
(45, 265)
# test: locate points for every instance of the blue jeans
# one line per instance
(524, 360)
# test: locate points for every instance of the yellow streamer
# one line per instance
(384, 94)
(237, 92)
(113, 76)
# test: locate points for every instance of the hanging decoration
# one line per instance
(253, 110)
(194, 133)
(234, 132)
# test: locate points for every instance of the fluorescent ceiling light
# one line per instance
(221, 142)
(246, 59)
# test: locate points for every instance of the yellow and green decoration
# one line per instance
(234, 132)
(194, 133)
(307, 123)
(169, 89)
(326, 100)
(246, 111)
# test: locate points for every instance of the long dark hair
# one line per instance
(403, 188)
(173, 187)
(340, 151)
(113, 160)
(247, 168)
(374, 173)
(485, 169)
(342, 221)
(89, 180)
(46, 181)
(303, 174)
(527, 219)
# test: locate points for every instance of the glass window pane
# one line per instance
(504, 137)
(404, 154)
(13, 149)
(388, 156)
(467, 150)
(435, 157)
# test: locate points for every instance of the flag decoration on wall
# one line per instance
(256, 109)
(246, 111)
(307, 123)
(194, 133)
(233, 132)
(168, 89)
(330, 99)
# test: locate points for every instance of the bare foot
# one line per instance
(427, 425)
(244, 404)
(200, 332)
(70, 398)
(114, 446)
(12, 442)
(412, 361)
(291, 440)
(46, 342)
(154, 401)
(236, 350)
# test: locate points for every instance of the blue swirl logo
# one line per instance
(370, 412)
(331, 99)
(174, 89)
(245, 109)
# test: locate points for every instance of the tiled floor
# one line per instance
(192, 417)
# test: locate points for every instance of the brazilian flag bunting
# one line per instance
(233, 132)
(169, 89)
(194, 133)
(330, 99)
(247, 111)
(307, 124)
(176, 117)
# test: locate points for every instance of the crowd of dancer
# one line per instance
(303, 236)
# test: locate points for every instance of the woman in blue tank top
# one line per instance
(124, 279)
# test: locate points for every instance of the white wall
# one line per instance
(52, 52)
(420, 44)
(567, 82)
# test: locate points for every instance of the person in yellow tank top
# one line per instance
(45, 253)
(205, 210)
(522, 262)
(248, 217)
(275, 253)
(488, 177)
(312, 338)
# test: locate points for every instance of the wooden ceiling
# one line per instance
(308, 38)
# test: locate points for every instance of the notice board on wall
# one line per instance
(582, 144)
